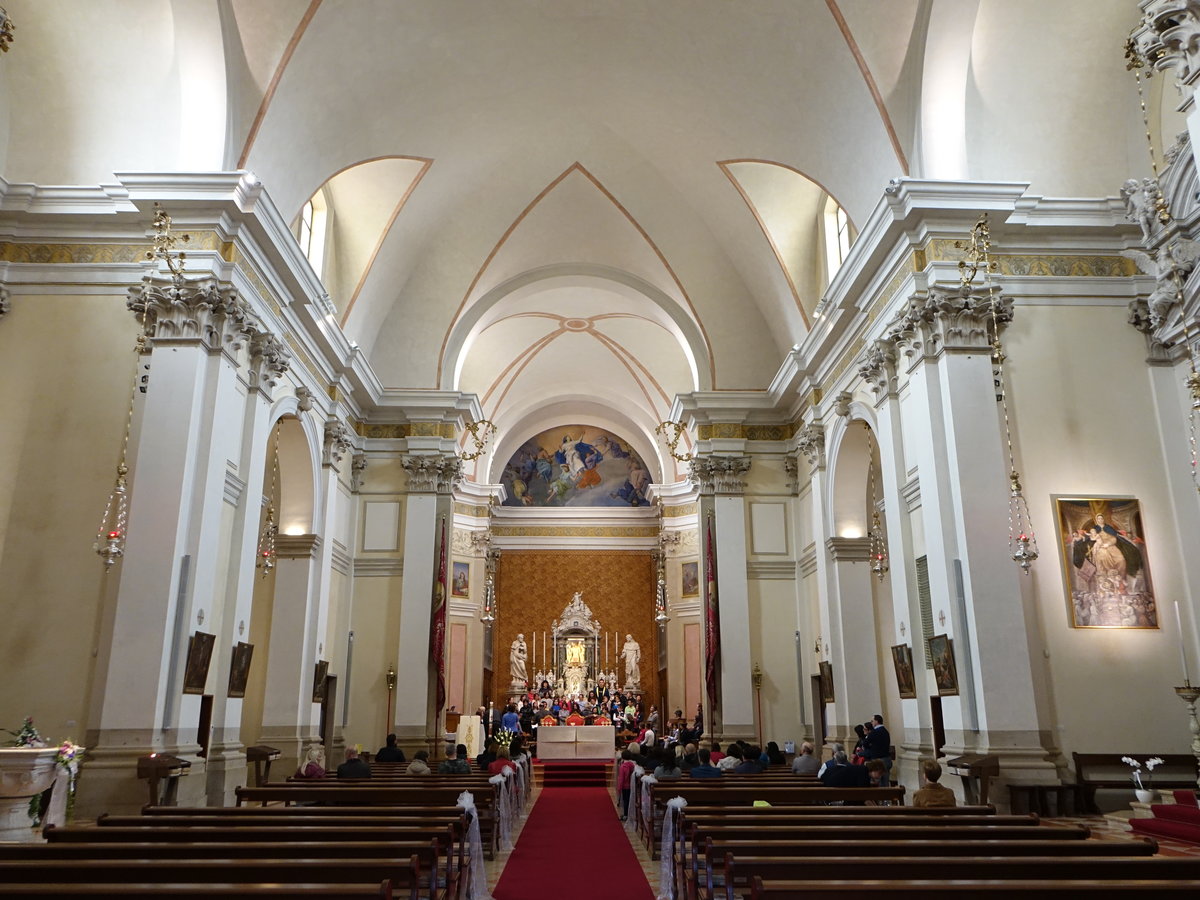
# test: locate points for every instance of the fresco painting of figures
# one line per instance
(575, 465)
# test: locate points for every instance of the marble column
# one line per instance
(722, 502)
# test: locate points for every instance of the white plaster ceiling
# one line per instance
(574, 153)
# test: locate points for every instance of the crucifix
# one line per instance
(942, 617)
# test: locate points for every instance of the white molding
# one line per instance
(340, 559)
(911, 492)
(807, 564)
(234, 487)
(370, 567)
(771, 570)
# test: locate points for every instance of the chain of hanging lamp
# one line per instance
(879, 553)
(1136, 63)
(114, 524)
(267, 556)
(1022, 542)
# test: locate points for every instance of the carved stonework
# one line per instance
(358, 471)
(337, 442)
(270, 359)
(720, 474)
(4, 304)
(878, 368)
(956, 318)
(1169, 37)
(1143, 200)
(811, 442)
(791, 465)
(304, 398)
(841, 403)
(179, 310)
(432, 472)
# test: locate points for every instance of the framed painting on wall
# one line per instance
(945, 672)
(320, 671)
(1106, 570)
(239, 669)
(460, 582)
(195, 673)
(826, 669)
(905, 681)
(691, 579)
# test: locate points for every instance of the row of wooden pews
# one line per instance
(723, 848)
(387, 837)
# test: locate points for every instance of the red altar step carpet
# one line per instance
(1179, 820)
(573, 846)
(573, 774)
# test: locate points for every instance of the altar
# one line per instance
(576, 742)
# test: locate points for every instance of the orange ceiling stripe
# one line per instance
(844, 27)
(270, 93)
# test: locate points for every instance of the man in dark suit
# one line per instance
(877, 744)
(391, 753)
(353, 767)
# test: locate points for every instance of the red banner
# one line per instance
(712, 623)
(437, 627)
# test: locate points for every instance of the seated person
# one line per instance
(501, 762)
(458, 765)
(313, 765)
(839, 773)
(390, 753)
(704, 768)
(731, 760)
(484, 759)
(668, 769)
(933, 794)
(749, 764)
(806, 762)
(353, 767)
(419, 765)
(773, 755)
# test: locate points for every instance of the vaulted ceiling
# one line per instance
(564, 205)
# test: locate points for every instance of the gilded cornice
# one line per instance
(624, 531)
(737, 431)
(93, 252)
(780, 432)
(721, 430)
(477, 512)
(684, 509)
(395, 430)
(1040, 265)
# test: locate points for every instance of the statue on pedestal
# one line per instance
(516, 662)
(631, 652)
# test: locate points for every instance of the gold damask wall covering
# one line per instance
(533, 587)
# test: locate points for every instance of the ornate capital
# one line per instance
(432, 472)
(270, 359)
(878, 368)
(810, 441)
(4, 304)
(337, 442)
(358, 471)
(178, 310)
(720, 474)
(949, 318)
(1169, 37)
(304, 398)
(791, 466)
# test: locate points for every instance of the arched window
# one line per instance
(837, 235)
(310, 230)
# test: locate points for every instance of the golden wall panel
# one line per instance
(533, 587)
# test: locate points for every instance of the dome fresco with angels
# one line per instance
(575, 465)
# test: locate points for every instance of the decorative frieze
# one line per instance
(720, 474)
(337, 442)
(811, 442)
(182, 311)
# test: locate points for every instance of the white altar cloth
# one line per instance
(576, 741)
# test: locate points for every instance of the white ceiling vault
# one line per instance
(566, 204)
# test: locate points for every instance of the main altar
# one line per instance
(575, 652)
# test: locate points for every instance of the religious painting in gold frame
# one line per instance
(906, 682)
(945, 671)
(826, 670)
(195, 672)
(320, 672)
(1106, 569)
(690, 583)
(239, 669)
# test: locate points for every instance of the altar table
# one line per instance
(576, 741)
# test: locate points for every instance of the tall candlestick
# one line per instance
(534, 656)
(1182, 651)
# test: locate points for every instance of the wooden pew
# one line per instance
(179, 891)
(404, 877)
(1105, 770)
(990, 889)
(739, 871)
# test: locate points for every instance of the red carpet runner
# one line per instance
(573, 846)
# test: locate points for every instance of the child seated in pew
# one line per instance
(933, 794)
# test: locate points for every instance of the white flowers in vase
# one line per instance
(1137, 770)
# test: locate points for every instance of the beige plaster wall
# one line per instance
(65, 364)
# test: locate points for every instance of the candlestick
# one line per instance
(534, 656)
(1182, 651)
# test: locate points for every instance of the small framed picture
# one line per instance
(691, 579)
(200, 649)
(321, 670)
(945, 673)
(239, 669)
(460, 583)
(905, 681)
(826, 669)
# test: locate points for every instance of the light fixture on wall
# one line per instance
(480, 432)
(660, 601)
(488, 616)
(266, 556)
(1022, 542)
(113, 530)
(1168, 250)
(672, 433)
(879, 553)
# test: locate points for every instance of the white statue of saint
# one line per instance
(631, 652)
(516, 660)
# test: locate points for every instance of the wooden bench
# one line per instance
(1035, 798)
(994, 889)
(180, 891)
(739, 871)
(1094, 771)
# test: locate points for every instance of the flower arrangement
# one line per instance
(503, 738)
(28, 735)
(1137, 770)
(69, 757)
